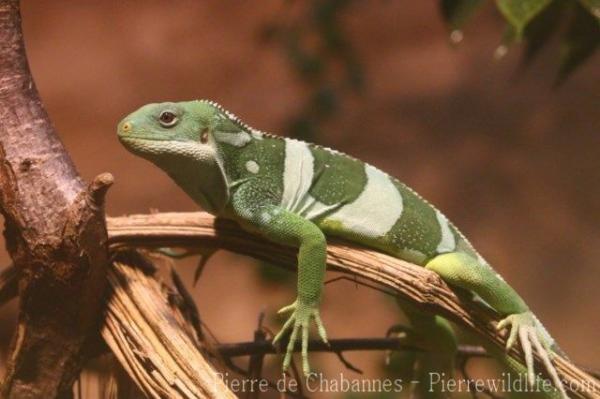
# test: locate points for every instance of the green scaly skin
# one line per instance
(297, 194)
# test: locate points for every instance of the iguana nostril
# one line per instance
(126, 127)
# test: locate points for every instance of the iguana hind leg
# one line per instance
(434, 334)
(464, 271)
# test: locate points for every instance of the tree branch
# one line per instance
(336, 345)
(416, 284)
(149, 338)
(54, 230)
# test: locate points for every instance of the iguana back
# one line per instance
(344, 196)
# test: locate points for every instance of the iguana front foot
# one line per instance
(525, 327)
(299, 321)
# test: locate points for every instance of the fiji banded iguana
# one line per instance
(297, 194)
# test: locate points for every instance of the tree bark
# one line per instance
(54, 230)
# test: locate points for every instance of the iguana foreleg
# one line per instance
(287, 228)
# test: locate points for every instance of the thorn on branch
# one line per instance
(187, 306)
(347, 363)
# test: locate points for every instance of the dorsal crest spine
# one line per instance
(232, 117)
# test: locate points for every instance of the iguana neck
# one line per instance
(204, 181)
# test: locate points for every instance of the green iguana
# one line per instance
(297, 194)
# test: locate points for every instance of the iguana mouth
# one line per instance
(142, 145)
(129, 137)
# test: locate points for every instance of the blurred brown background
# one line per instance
(512, 161)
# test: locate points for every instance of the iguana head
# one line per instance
(163, 129)
(178, 138)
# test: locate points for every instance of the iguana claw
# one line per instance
(524, 326)
(298, 321)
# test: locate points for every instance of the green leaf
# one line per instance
(541, 29)
(457, 12)
(580, 41)
(520, 12)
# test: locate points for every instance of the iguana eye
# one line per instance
(167, 119)
(204, 136)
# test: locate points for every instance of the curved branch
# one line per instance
(55, 232)
(416, 284)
